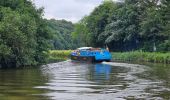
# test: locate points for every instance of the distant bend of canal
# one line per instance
(70, 80)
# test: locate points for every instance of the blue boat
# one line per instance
(91, 54)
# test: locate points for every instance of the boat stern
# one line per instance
(103, 56)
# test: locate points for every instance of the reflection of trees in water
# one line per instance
(18, 84)
(161, 72)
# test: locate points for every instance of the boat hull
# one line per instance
(87, 59)
(83, 58)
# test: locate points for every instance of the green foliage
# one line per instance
(58, 55)
(151, 26)
(80, 34)
(129, 25)
(125, 28)
(23, 34)
(142, 56)
(61, 30)
(97, 21)
(165, 12)
(92, 26)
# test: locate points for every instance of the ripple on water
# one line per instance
(110, 81)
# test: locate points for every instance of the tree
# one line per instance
(152, 26)
(23, 34)
(129, 25)
(81, 33)
(123, 31)
(97, 21)
(165, 13)
(61, 30)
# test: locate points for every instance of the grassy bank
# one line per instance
(154, 57)
(58, 55)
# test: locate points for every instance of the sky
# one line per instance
(70, 10)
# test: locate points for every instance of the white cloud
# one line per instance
(71, 10)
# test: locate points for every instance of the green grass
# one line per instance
(58, 55)
(155, 57)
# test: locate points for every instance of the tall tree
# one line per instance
(98, 20)
(61, 30)
(130, 25)
(23, 34)
(81, 33)
(165, 13)
(151, 25)
(124, 31)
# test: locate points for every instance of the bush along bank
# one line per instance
(138, 56)
(155, 57)
(58, 55)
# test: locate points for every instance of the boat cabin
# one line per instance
(91, 54)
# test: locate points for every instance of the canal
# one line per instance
(81, 81)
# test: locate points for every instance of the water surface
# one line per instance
(82, 81)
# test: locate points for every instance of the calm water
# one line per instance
(80, 81)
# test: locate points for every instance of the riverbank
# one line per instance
(138, 56)
(58, 55)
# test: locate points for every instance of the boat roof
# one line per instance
(84, 48)
(89, 48)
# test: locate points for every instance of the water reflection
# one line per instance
(102, 70)
(103, 81)
(80, 81)
(18, 84)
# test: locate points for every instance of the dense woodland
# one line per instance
(62, 38)
(128, 25)
(26, 37)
